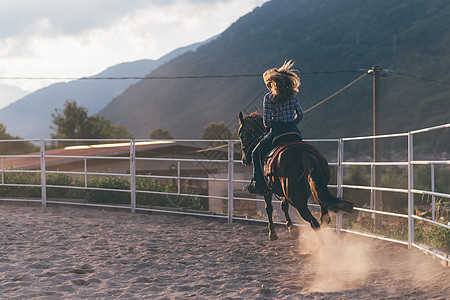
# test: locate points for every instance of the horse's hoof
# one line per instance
(273, 236)
(293, 230)
(325, 220)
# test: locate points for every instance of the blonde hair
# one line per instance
(283, 82)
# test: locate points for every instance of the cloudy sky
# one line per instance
(75, 38)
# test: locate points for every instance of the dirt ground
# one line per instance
(90, 253)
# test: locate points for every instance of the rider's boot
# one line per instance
(254, 188)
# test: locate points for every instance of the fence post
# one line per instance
(85, 174)
(43, 179)
(410, 193)
(340, 182)
(133, 175)
(178, 177)
(372, 184)
(230, 180)
(433, 198)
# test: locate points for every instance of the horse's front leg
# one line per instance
(269, 210)
(285, 207)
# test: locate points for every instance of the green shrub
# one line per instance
(98, 196)
(109, 197)
(433, 236)
(397, 228)
(151, 184)
(21, 191)
(58, 179)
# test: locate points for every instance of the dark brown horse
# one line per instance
(299, 171)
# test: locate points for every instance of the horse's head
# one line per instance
(251, 130)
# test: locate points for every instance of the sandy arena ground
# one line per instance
(83, 253)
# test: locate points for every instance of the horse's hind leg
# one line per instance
(306, 214)
(324, 216)
(269, 210)
(285, 207)
(299, 199)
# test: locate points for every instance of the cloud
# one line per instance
(74, 38)
(65, 17)
(72, 17)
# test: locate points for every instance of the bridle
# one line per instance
(254, 139)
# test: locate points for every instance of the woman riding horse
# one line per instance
(297, 170)
(281, 111)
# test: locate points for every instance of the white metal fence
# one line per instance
(230, 180)
(410, 190)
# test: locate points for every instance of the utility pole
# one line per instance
(376, 124)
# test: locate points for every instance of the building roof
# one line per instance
(75, 153)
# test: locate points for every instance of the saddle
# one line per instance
(285, 138)
(281, 143)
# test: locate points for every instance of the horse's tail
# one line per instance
(319, 189)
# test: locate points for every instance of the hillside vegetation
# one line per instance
(407, 36)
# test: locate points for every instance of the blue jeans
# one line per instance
(265, 145)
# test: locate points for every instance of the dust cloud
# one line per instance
(340, 262)
(349, 262)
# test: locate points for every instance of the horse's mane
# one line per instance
(253, 115)
(256, 121)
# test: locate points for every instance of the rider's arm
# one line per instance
(298, 110)
(267, 110)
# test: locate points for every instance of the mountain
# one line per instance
(9, 94)
(30, 116)
(330, 41)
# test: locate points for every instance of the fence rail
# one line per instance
(230, 180)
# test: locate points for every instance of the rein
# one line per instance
(255, 136)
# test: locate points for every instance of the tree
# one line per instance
(73, 122)
(3, 134)
(18, 147)
(160, 134)
(70, 122)
(217, 131)
(98, 126)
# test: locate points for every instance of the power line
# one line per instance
(207, 76)
(336, 93)
(125, 78)
(422, 78)
(160, 77)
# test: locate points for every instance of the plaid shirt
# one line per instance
(288, 111)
